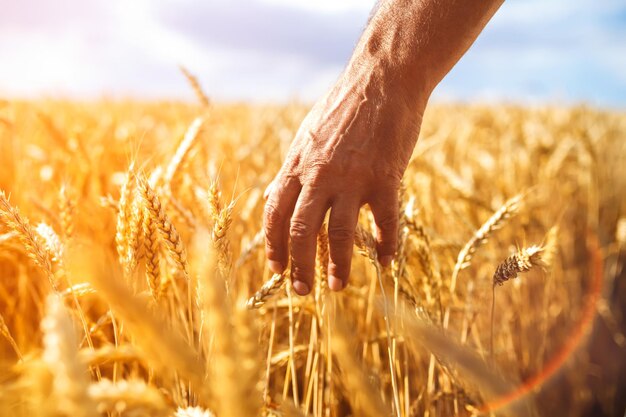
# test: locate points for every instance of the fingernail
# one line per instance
(275, 266)
(335, 283)
(301, 287)
(386, 260)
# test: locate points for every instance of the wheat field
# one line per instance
(133, 280)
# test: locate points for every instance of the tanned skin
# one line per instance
(354, 145)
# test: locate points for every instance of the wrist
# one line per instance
(385, 79)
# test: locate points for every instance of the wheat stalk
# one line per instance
(255, 243)
(6, 333)
(78, 290)
(508, 209)
(249, 374)
(522, 261)
(364, 397)
(110, 353)
(61, 355)
(183, 151)
(366, 244)
(167, 354)
(230, 395)
(197, 88)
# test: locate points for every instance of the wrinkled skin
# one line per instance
(352, 149)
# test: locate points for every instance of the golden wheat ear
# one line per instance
(196, 87)
(495, 222)
(267, 291)
(30, 239)
(167, 231)
(174, 168)
(523, 261)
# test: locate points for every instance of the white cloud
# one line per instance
(328, 6)
(280, 49)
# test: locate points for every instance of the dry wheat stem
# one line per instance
(230, 395)
(110, 353)
(521, 261)
(183, 151)
(366, 245)
(365, 399)
(505, 212)
(249, 358)
(77, 290)
(255, 243)
(453, 355)
(6, 333)
(167, 354)
(197, 88)
(61, 355)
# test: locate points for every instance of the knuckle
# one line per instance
(317, 173)
(274, 248)
(315, 178)
(299, 229)
(272, 216)
(339, 269)
(270, 245)
(341, 234)
(301, 271)
(388, 222)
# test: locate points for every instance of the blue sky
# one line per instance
(558, 51)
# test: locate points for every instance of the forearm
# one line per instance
(413, 44)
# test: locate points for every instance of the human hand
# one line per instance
(352, 149)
